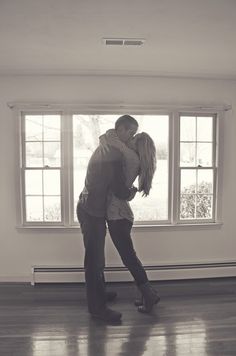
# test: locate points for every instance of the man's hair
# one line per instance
(126, 120)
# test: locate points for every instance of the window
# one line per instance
(86, 131)
(197, 166)
(42, 168)
(56, 147)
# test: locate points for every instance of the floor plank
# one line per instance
(194, 317)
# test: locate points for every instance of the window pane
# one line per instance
(86, 131)
(33, 127)
(187, 154)
(51, 182)
(204, 206)
(79, 176)
(204, 128)
(34, 154)
(151, 208)
(196, 201)
(33, 182)
(52, 154)
(204, 154)
(187, 128)
(52, 127)
(34, 209)
(155, 206)
(45, 130)
(188, 181)
(205, 181)
(188, 206)
(52, 208)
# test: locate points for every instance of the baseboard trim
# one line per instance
(16, 279)
(75, 274)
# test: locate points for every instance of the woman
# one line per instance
(139, 161)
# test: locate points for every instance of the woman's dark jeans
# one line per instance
(120, 233)
(94, 232)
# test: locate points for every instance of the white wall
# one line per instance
(20, 250)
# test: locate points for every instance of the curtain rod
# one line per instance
(117, 106)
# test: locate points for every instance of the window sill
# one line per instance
(182, 227)
(137, 227)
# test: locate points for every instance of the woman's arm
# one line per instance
(111, 138)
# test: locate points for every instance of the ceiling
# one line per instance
(187, 38)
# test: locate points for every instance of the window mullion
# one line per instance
(70, 169)
(66, 164)
(175, 168)
(21, 144)
(218, 158)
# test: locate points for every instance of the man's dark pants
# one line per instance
(94, 232)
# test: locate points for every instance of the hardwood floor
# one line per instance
(196, 317)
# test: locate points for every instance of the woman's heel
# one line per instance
(150, 298)
(139, 301)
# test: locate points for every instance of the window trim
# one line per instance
(66, 110)
(23, 169)
(216, 217)
(134, 112)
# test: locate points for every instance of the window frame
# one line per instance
(67, 112)
(134, 112)
(214, 168)
(24, 168)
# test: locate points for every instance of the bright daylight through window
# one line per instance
(86, 131)
(197, 167)
(56, 148)
(42, 162)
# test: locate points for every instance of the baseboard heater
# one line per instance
(75, 274)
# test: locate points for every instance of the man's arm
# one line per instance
(118, 185)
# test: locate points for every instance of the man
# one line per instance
(104, 174)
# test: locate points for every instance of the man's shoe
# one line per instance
(108, 315)
(110, 296)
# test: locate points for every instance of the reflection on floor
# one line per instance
(196, 317)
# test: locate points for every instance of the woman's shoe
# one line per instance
(150, 298)
(138, 301)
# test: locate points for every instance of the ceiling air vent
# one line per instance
(133, 42)
(123, 41)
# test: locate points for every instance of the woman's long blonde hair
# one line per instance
(146, 150)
